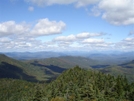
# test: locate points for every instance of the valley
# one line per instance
(57, 74)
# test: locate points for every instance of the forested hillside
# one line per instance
(66, 61)
(16, 90)
(11, 68)
(126, 69)
(75, 84)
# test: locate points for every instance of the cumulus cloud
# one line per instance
(4, 40)
(41, 28)
(47, 27)
(83, 40)
(20, 44)
(87, 35)
(22, 36)
(118, 12)
(11, 27)
(93, 41)
(65, 38)
(73, 41)
(82, 3)
(126, 44)
(83, 35)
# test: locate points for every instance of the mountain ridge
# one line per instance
(12, 68)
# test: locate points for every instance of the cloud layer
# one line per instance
(117, 12)
(12, 28)
(41, 28)
(24, 37)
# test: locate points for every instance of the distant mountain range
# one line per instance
(46, 69)
(11, 68)
(126, 69)
(65, 61)
(103, 58)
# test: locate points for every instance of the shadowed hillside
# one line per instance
(11, 68)
(126, 69)
(77, 84)
(66, 62)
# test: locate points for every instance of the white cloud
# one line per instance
(87, 35)
(76, 37)
(31, 8)
(47, 27)
(4, 40)
(129, 39)
(65, 38)
(83, 3)
(84, 41)
(23, 37)
(93, 41)
(97, 44)
(126, 44)
(11, 27)
(118, 12)
(20, 44)
(41, 28)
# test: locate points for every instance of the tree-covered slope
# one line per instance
(16, 90)
(126, 69)
(11, 68)
(77, 84)
(66, 61)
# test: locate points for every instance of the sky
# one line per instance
(66, 25)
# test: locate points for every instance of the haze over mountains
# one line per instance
(43, 66)
(50, 76)
(112, 57)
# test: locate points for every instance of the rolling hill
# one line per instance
(11, 68)
(104, 58)
(65, 62)
(126, 69)
(77, 84)
(33, 55)
(57, 64)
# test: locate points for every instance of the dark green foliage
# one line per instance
(124, 69)
(16, 90)
(11, 68)
(66, 61)
(77, 84)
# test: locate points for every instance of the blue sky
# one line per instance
(59, 25)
